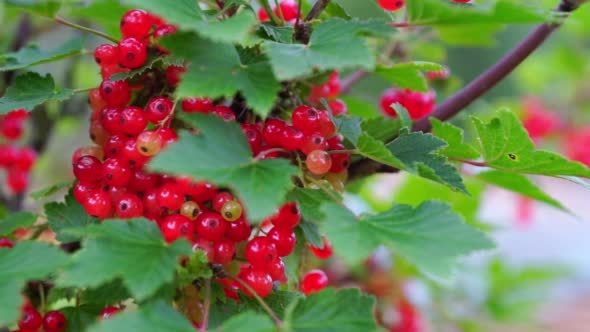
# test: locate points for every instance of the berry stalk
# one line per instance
(73, 25)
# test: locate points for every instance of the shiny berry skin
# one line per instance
(223, 251)
(211, 226)
(324, 252)
(88, 169)
(133, 120)
(98, 204)
(175, 226)
(231, 211)
(291, 138)
(25, 159)
(149, 143)
(131, 156)
(254, 137)
(165, 30)
(170, 196)
(17, 180)
(259, 281)
(136, 23)
(289, 10)
(190, 210)
(418, 104)
(128, 206)
(224, 112)
(272, 132)
(115, 93)
(106, 54)
(132, 53)
(338, 107)
(340, 162)
(318, 162)
(238, 230)
(91, 150)
(158, 109)
(327, 126)
(220, 199)
(328, 90)
(201, 191)
(114, 145)
(54, 321)
(107, 71)
(112, 120)
(313, 281)
(277, 271)
(97, 133)
(109, 312)
(168, 136)
(202, 105)
(116, 193)
(391, 5)
(261, 251)
(31, 319)
(263, 15)
(81, 190)
(284, 240)
(174, 74)
(141, 181)
(6, 242)
(151, 207)
(11, 129)
(115, 172)
(287, 217)
(306, 119)
(315, 141)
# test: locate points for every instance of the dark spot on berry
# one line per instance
(108, 89)
(124, 206)
(183, 229)
(160, 107)
(130, 56)
(317, 140)
(228, 214)
(294, 209)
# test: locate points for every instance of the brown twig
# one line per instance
(317, 9)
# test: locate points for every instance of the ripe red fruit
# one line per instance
(136, 23)
(25, 159)
(306, 119)
(328, 90)
(223, 251)
(391, 5)
(17, 180)
(128, 206)
(175, 226)
(31, 319)
(238, 230)
(220, 199)
(115, 172)
(313, 281)
(211, 226)
(291, 138)
(338, 107)
(88, 169)
(272, 131)
(417, 103)
(538, 121)
(324, 252)
(289, 10)
(168, 136)
(409, 319)
(263, 15)
(261, 251)
(202, 105)
(8, 155)
(151, 207)
(54, 321)
(115, 93)
(131, 156)
(12, 129)
(288, 216)
(158, 109)
(259, 281)
(109, 312)
(340, 162)
(98, 204)
(224, 112)
(253, 136)
(284, 240)
(133, 120)
(170, 196)
(277, 271)
(327, 127)
(315, 141)
(132, 53)
(6, 242)
(199, 192)
(174, 74)
(106, 54)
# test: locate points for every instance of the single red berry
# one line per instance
(112, 120)
(170, 196)
(6, 242)
(175, 226)
(239, 230)
(254, 137)
(25, 159)
(17, 114)
(107, 71)
(98, 204)
(272, 132)
(328, 90)
(211, 226)
(288, 216)
(224, 112)
(91, 150)
(409, 319)
(259, 281)
(114, 145)
(277, 271)
(289, 10)
(223, 251)
(168, 136)
(324, 252)
(318, 162)
(338, 107)
(165, 30)
(12, 129)
(174, 74)
(340, 162)
(8, 155)
(133, 120)
(202, 105)
(131, 156)
(136, 23)
(88, 169)
(327, 126)
(141, 181)
(106, 54)
(81, 190)
(306, 119)
(220, 199)
(132, 53)
(158, 109)
(418, 104)
(115, 193)
(151, 208)
(391, 5)
(230, 288)
(263, 15)
(116, 172)
(128, 206)
(284, 240)
(31, 319)
(54, 321)
(261, 251)
(315, 141)
(109, 312)
(17, 180)
(115, 93)
(291, 138)
(198, 191)
(313, 281)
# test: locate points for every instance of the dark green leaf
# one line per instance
(40, 7)
(30, 90)
(403, 115)
(381, 128)
(456, 148)
(31, 55)
(80, 317)
(108, 294)
(67, 216)
(409, 75)
(378, 151)
(349, 127)
(15, 221)
(281, 34)
(247, 321)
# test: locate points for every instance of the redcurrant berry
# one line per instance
(211, 226)
(284, 240)
(128, 206)
(54, 321)
(259, 281)
(313, 281)
(88, 169)
(202, 105)
(106, 54)
(238, 230)
(136, 23)
(391, 5)
(31, 319)
(175, 226)
(149, 143)
(158, 109)
(98, 204)
(109, 312)
(288, 216)
(324, 252)
(223, 252)
(170, 196)
(115, 172)
(115, 93)
(261, 251)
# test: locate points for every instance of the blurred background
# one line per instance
(538, 279)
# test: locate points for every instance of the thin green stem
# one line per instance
(85, 29)
(83, 90)
(273, 18)
(262, 303)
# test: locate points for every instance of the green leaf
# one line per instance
(456, 148)
(362, 9)
(419, 153)
(346, 310)
(403, 115)
(505, 145)
(520, 184)
(155, 317)
(67, 216)
(409, 75)
(430, 236)
(309, 202)
(435, 12)
(26, 261)
(17, 220)
(31, 55)
(150, 63)
(48, 191)
(80, 317)
(349, 127)
(220, 154)
(381, 128)
(247, 321)
(188, 16)
(217, 70)
(197, 267)
(105, 13)
(108, 294)
(281, 34)
(30, 90)
(334, 44)
(40, 7)
(378, 151)
(133, 250)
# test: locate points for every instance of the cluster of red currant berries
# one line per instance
(418, 104)
(32, 321)
(17, 161)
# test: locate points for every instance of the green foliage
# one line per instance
(40, 7)
(247, 321)
(15, 221)
(220, 154)
(66, 217)
(48, 191)
(31, 55)
(133, 250)
(456, 148)
(30, 90)
(409, 75)
(430, 236)
(26, 261)
(196, 267)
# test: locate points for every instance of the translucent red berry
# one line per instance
(31, 319)
(17, 180)
(259, 281)
(288, 216)
(306, 119)
(54, 321)
(224, 112)
(202, 105)
(131, 156)
(323, 252)
(223, 251)
(261, 251)
(128, 206)
(174, 74)
(284, 240)
(136, 23)
(391, 5)
(211, 226)
(338, 107)
(253, 136)
(115, 172)
(315, 141)
(170, 196)
(132, 53)
(25, 159)
(277, 271)
(109, 312)
(106, 54)
(313, 281)
(238, 230)
(98, 204)
(88, 169)
(318, 162)
(288, 10)
(418, 104)
(158, 109)
(175, 226)
(133, 120)
(272, 132)
(115, 93)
